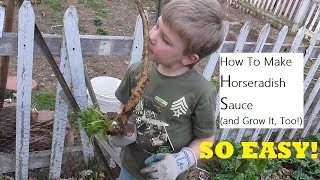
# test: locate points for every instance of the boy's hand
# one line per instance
(169, 166)
(121, 141)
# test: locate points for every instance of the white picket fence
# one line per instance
(312, 18)
(70, 50)
(293, 13)
(280, 8)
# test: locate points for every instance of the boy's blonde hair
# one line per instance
(198, 23)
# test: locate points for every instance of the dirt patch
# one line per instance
(115, 17)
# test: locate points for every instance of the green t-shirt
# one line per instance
(172, 112)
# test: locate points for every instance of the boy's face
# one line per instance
(166, 47)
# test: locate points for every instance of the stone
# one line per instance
(12, 83)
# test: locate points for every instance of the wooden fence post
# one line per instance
(74, 50)
(4, 62)
(24, 77)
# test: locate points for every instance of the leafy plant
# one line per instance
(94, 122)
(238, 168)
(303, 168)
(102, 31)
(97, 22)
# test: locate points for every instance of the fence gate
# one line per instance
(72, 68)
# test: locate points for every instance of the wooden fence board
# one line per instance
(77, 71)
(60, 118)
(26, 24)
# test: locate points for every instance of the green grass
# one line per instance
(44, 101)
(55, 5)
(97, 6)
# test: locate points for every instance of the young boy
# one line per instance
(176, 111)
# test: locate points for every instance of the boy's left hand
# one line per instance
(169, 166)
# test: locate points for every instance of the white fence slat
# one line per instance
(268, 5)
(312, 119)
(268, 135)
(61, 117)
(280, 135)
(240, 134)
(294, 48)
(288, 8)
(255, 134)
(312, 96)
(263, 4)
(259, 3)
(210, 67)
(311, 73)
(137, 46)
(315, 17)
(316, 130)
(224, 134)
(238, 48)
(260, 44)
(312, 44)
(298, 39)
(277, 7)
(77, 71)
(242, 37)
(293, 9)
(282, 8)
(310, 14)
(26, 26)
(280, 39)
(262, 38)
(217, 112)
(308, 103)
(317, 127)
(2, 13)
(276, 48)
(272, 5)
(318, 25)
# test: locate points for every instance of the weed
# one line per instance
(9, 94)
(102, 31)
(97, 22)
(43, 101)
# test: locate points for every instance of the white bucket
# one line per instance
(104, 88)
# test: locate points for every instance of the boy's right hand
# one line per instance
(121, 141)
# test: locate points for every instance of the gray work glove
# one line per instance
(121, 141)
(169, 166)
